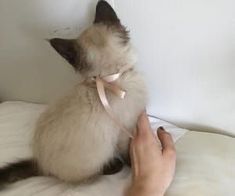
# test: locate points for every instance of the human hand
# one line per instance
(153, 163)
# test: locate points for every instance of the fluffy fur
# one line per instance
(75, 137)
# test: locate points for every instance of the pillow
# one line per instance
(204, 164)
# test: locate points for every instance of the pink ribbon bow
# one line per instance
(107, 82)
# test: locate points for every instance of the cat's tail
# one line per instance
(18, 171)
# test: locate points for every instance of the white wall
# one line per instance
(186, 51)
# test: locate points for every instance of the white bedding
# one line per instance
(205, 163)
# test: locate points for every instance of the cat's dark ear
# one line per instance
(66, 48)
(105, 14)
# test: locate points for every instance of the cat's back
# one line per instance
(77, 103)
(70, 133)
(66, 119)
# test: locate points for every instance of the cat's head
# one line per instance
(104, 48)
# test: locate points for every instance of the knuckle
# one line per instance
(139, 140)
(171, 152)
(166, 134)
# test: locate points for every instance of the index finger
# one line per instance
(143, 126)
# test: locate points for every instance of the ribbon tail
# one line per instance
(115, 89)
(108, 109)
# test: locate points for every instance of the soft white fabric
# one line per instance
(205, 165)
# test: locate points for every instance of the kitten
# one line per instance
(75, 138)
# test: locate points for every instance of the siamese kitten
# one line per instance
(75, 138)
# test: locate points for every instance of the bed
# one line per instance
(205, 161)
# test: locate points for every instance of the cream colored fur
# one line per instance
(75, 137)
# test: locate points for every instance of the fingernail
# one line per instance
(163, 130)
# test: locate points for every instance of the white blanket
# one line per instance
(205, 165)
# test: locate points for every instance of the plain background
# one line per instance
(186, 52)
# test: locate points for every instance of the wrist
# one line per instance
(142, 189)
